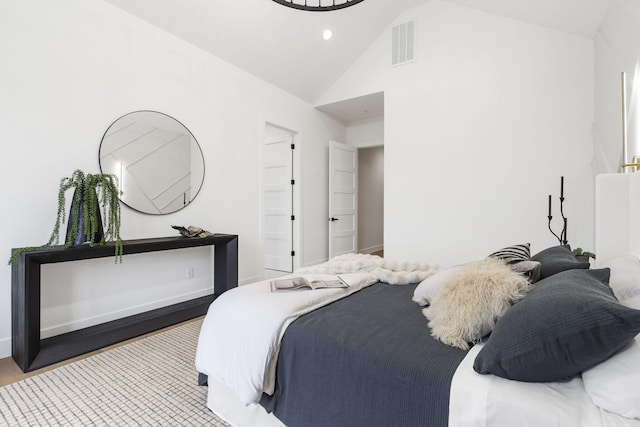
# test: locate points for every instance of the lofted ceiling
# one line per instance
(284, 46)
(579, 17)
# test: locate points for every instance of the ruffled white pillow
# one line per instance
(472, 300)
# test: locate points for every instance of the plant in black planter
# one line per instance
(582, 255)
(91, 192)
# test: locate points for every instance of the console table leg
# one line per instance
(25, 311)
(225, 275)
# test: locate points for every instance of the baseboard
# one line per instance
(371, 249)
(66, 346)
(118, 314)
(253, 279)
(307, 264)
(5, 343)
(272, 274)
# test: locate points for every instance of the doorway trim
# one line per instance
(270, 129)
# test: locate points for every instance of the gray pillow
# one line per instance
(556, 259)
(567, 323)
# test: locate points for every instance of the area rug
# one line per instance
(149, 382)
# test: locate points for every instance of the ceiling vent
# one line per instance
(403, 43)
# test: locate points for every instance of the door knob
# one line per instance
(333, 219)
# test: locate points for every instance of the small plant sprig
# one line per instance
(93, 191)
(579, 252)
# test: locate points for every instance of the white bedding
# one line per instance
(490, 401)
(246, 368)
(251, 337)
(476, 401)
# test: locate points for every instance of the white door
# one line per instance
(277, 197)
(343, 193)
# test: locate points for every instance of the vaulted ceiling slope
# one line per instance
(284, 46)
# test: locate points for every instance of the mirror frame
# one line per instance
(179, 127)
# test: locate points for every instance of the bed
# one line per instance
(563, 351)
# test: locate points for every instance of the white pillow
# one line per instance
(614, 384)
(625, 279)
(429, 287)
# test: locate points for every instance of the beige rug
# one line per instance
(150, 382)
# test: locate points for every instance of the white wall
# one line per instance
(478, 131)
(366, 133)
(69, 69)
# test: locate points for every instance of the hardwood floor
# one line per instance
(11, 373)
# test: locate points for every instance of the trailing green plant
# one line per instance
(578, 252)
(92, 191)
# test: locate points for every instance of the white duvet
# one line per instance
(490, 401)
(250, 337)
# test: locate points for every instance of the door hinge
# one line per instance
(293, 217)
(293, 253)
(293, 146)
(293, 182)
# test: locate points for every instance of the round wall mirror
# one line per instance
(158, 162)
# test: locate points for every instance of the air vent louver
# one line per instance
(403, 43)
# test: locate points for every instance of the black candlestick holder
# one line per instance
(562, 238)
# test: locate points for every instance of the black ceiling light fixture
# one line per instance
(318, 5)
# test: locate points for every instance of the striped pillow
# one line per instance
(518, 257)
(513, 254)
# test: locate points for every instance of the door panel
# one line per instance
(343, 161)
(277, 203)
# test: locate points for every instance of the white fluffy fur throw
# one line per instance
(388, 271)
(468, 306)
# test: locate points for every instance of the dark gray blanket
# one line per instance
(366, 360)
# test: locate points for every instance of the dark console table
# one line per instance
(30, 352)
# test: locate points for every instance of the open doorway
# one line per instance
(371, 200)
(363, 117)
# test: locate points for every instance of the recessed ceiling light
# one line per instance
(327, 34)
